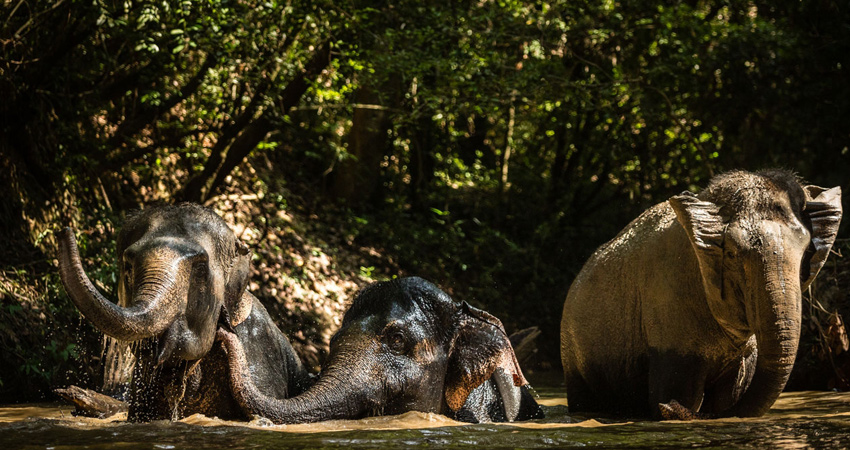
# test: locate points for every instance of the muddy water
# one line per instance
(798, 420)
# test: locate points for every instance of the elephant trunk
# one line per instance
(334, 396)
(777, 317)
(149, 315)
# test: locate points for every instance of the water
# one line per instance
(798, 420)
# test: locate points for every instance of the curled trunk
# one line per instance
(332, 397)
(147, 316)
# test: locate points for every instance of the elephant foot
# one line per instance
(89, 403)
(675, 411)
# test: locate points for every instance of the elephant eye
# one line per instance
(395, 341)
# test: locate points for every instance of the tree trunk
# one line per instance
(505, 161)
(133, 126)
(356, 178)
(250, 131)
(421, 159)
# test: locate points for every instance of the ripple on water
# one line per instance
(798, 420)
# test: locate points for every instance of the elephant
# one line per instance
(403, 345)
(698, 300)
(183, 274)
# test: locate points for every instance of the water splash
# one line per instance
(798, 420)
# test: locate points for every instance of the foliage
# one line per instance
(489, 146)
(824, 357)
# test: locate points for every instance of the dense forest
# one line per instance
(488, 146)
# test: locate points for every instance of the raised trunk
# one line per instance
(334, 396)
(148, 316)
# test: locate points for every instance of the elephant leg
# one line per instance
(580, 397)
(600, 395)
(675, 377)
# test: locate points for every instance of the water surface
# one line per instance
(798, 420)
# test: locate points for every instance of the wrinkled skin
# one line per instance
(404, 345)
(698, 300)
(183, 274)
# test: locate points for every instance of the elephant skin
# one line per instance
(696, 304)
(182, 275)
(403, 345)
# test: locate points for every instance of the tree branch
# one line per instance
(132, 127)
(254, 133)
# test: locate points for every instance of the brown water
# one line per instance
(798, 420)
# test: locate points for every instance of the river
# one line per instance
(818, 420)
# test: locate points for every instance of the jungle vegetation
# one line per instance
(489, 146)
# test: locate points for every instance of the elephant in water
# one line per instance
(403, 345)
(698, 300)
(183, 274)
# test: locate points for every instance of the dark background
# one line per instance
(489, 146)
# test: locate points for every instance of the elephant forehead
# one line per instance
(404, 317)
(185, 220)
(378, 308)
(745, 194)
(164, 247)
(407, 292)
(187, 239)
(383, 299)
(209, 234)
(759, 233)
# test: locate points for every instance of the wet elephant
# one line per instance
(183, 274)
(403, 345)
(698, 300)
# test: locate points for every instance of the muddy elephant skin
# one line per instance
(183, 274)
(698, 300)
(404, 345)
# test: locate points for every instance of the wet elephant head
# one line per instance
(405, 345)
(180, 269)
(760, 240)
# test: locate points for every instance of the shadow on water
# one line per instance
(798, 420)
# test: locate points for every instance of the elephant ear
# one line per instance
(237, 303)
(823, 209)
(705, 229)
(481, 350)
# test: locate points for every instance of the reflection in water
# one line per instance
(798, 420)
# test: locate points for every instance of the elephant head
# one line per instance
(403, 345)
(760, 240)
(180, 268)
